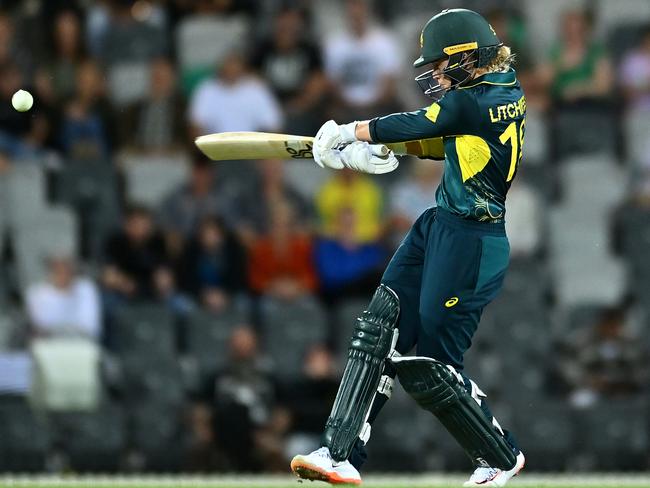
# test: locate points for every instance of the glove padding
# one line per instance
(329, 138)
(369, 158)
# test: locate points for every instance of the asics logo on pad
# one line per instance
(451, 302)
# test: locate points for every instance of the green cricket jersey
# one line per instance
(482, 127)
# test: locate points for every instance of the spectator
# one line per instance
(412, 196)
(233, 101)
(68, 51)
(86, 126)
(293, 67)
(214, 266)
(280, 262)
(22, 135)
(363, 63)
(156, 124)
(605, 361)
(350, 189)
(578, 70)
(346, 267)
(64, 304)
(524, 220)
(242, 397)
(634, 75)
(258, 198)
(130, 38)
(135, 267)
(202, 196)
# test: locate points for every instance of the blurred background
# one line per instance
(159, 312)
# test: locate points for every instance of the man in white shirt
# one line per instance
(64, 304)
(363, 62)
(234, 101)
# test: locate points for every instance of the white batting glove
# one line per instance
(375, 159)
(329, 139)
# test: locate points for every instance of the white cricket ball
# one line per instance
(22, 100)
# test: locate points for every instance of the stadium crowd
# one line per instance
(216, 299)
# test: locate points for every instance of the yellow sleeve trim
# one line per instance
(432, 112)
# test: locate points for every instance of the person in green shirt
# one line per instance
(450, 265)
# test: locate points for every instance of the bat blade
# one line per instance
(254, 145)
(265, 145)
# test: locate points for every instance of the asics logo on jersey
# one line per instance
(451, 302)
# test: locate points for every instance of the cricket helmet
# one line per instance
(464, 37)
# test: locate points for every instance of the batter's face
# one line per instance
(437, 74)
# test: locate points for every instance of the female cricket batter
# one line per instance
(450, 265)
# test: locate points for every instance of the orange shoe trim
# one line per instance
(308, 471)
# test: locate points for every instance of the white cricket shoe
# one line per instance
(320, 466)
(495, 476)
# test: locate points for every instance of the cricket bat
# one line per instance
(265, 145)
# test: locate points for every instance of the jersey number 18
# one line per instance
(515, 134)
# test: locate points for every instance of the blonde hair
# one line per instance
(502, 61)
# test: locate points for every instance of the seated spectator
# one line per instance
(280, 262)
(202, 196)
(346, 267)
(135, 259)
(130, 38)
(604, 361)
(242, 397)
(524, 220)
(65, 304)
(410, 197)
(578, 70)
(86, 125)
(350, 189)
(233, 101)
(68, 51)
(256, 199)
(634, 75)
(293, 67)
(157, 123)
(22, 135)
(213, 269)
(363, 63)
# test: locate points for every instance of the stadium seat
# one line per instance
(202, 42)
(25, 438)
(128, 82)
(156, 434)
(49, 232)
(92, 441)
(637, 128)
(546, 432)
(25, 197)
(617, 433)
(91, 189)
(206, 338)
(598, 132)
(144, 330)
(153, 379)
(150, 179)
(400, 435)
(289, 328)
